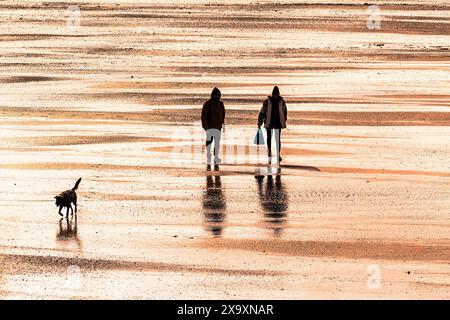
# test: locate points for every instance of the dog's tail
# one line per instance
(76, 185)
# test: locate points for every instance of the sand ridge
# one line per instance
(363, 183)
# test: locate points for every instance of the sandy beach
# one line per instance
(358, 209)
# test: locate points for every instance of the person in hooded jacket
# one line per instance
(213, 120)
(274, 116)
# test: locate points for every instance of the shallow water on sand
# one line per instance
(363, 185)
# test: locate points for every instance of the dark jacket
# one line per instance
(265, 115)
(213, 112)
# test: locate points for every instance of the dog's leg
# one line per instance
(67, 212)
(75, 229)
(75, 202)
(71, 209)
(60, 209)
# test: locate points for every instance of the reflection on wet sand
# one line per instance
(214, 204)
(68, 231)
(274, 201)
(109, 101)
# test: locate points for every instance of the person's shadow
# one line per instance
(214, 204)
(68, 230)
(274, 201)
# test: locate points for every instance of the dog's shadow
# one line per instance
(68, 230)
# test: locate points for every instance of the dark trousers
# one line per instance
(269, 141)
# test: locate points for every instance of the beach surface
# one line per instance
(358, 209)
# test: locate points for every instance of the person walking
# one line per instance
(274, 116)
(213, 119)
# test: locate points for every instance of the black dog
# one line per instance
(66, 198)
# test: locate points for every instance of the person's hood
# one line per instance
(276, 90)
(216, 92)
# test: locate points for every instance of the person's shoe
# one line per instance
(217, 160)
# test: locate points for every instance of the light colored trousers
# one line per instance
(271, 133)
(213, 134)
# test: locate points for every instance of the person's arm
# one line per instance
(205, 117)
(262, 114)
(223, 117)
(285, 111)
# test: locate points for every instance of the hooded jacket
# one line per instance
(265, 115)
(213, 112)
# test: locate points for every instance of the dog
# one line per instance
(66, 198)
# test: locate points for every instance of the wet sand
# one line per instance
(364, 183)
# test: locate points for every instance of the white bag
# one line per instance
(259, 138)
